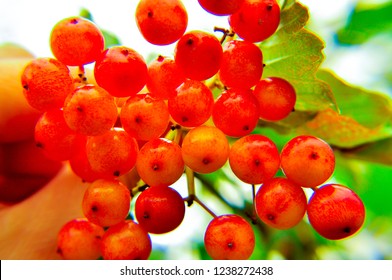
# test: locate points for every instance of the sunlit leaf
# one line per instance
(295, 54)
(368, 108)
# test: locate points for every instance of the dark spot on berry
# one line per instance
(314, 155)
(116, 173)
(269, 7)
(84, 79)
(270, 217)
(125, 52)
(26, 87)
(184, 119)
(257, 162)
(347, 230)
(79, 109)
(138, 119)
(160, 58)
(146, 215)
(94, 208)
(59, 251)
(230, 245)
(74, 21)
(155, 167)
(245, 127)
(80, 75)
(206, 161)
(98, 237)
(189, 42)
(150, 14)
(39, 145)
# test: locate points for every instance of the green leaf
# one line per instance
(366, 23)
(369, 108)
(295, 54)
(110, 39)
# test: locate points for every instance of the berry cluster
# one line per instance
(192, 112)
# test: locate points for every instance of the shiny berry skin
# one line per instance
(280, 203)
(121, 71)
(335, 211)
(76, 41)
(159, 209)
(144, 117)
(192, 104)
(256, 20)
(254, 159)
(236, 112)
(126, 241)
(276, 98)
(159, 162)
(221, 7)
(229, 237)
(161, 22)
(79, 239)
(198, 54)
(90, 110)
(308, 161)
(46, 83)
(106, 202)
(113, 153)
(53, 136)
(164, 76)
(242, 64)
(205, 149)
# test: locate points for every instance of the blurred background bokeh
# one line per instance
(358, 50)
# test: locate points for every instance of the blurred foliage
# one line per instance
(366, 22)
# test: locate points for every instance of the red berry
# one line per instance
(106, 202)
(113, 153)
(126, 241)
(46, 83)
(192, 104)
(236, 112)
(161, 22)
(256, 20)
(221, 7)
(276, 98)
(80, 239)
(307, 161)
(144, 117)
(229, 237)
(121, 71)
(242, 64)
(90, 110)
(280, 203)
(335, 211)
(164, 76)
(205, 149)
(76, 41)
(159, 209)
(254, 159)
(160, 163)
(199, 55)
